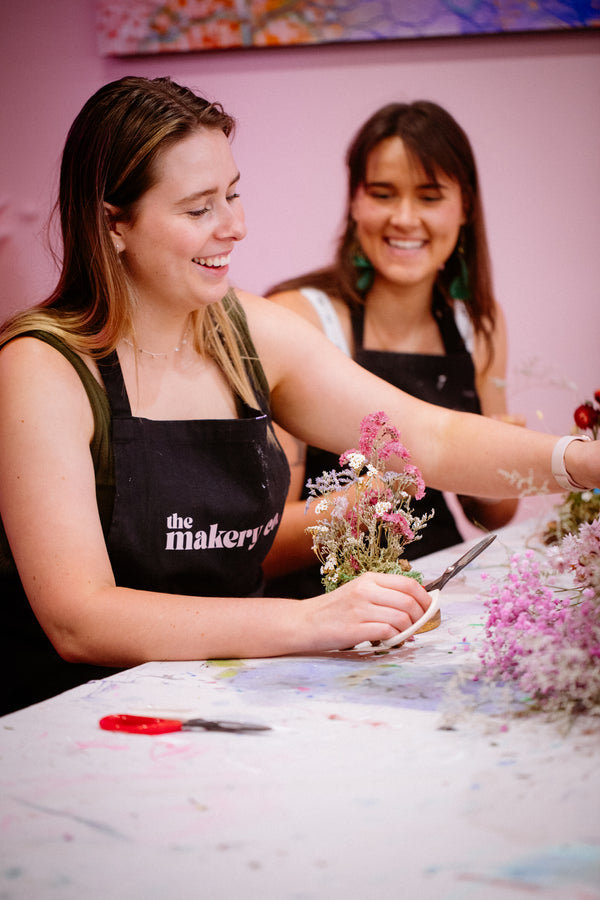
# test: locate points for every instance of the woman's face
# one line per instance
(177, 246)
(406, 225)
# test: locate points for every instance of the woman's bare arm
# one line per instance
(321, 396)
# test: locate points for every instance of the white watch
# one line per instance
(559, 469)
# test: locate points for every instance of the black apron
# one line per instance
(195, 511)
(197, 503)
(448, 381)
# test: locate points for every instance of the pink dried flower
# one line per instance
(378, 436)
(544, 636)
(399, 525)
(411, 470)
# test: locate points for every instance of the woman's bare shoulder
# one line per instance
(36, 376)
(296, 302)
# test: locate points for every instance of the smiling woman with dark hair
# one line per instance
(410, 298)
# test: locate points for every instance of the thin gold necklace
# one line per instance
(176, 349)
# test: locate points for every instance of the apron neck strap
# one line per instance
(112, 376)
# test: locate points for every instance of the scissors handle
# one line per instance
(140, 724)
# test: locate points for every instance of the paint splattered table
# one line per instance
(378, 779)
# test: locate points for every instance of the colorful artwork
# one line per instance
(145, 26)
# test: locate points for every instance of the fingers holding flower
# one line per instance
(373, 607)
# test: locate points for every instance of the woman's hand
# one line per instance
(372, 607)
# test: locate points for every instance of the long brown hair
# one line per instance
(110, 156)
(436, 142)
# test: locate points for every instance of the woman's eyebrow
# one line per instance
(198, 195)
(378, 184)
(389, 185)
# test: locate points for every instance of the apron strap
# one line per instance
(110, 369)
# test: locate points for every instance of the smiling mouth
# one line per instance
(213, 262)
(405, 245)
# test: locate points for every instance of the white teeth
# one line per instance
(214, 262)
(406, 245)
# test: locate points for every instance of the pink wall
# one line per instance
(530, 104)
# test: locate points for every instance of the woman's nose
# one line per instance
(232, 223)
(404, 213)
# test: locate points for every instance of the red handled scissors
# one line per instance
(154, 725)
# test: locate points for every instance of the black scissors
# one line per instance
(156, 725)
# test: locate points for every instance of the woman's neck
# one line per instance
(401, 320)
(160, 338)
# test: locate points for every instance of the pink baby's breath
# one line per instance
(543, 635)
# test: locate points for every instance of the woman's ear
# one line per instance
(114, 221)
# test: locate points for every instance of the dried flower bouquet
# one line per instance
(370, 517)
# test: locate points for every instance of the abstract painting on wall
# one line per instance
(175, 26)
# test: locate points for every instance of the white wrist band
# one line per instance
(559, 469)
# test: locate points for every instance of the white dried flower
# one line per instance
(356, 461)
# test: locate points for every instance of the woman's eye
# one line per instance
(233, 197)
(197, 213)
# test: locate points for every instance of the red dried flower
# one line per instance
(586, 416)
(597, 397)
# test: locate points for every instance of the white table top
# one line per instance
(375, 780)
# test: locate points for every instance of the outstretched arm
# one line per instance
(321, 396)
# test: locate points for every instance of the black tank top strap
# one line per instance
(253, 364)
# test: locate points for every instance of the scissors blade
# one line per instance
(460, 564)
(222, 725)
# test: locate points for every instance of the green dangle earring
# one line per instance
(459, 286)
(364, 272)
